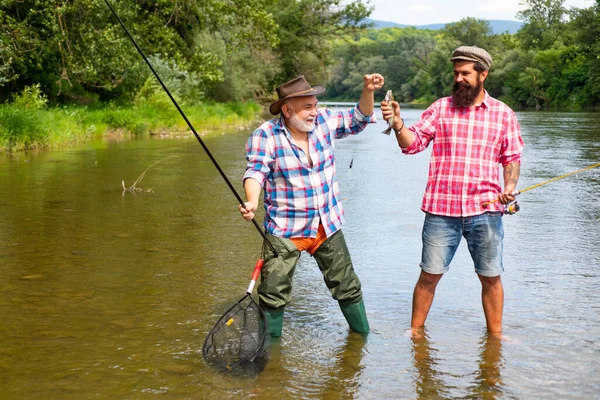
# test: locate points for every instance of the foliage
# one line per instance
(585, 25)
(228, 50)
(397, 54)
(183, 85)
(471, 31)
(305, 30)
(246, 72)
(74, 48)
(239, 50)
(31, 98)
(25, 128)
(21, 128)
(544, 23)
(21, 123)
(552, 62)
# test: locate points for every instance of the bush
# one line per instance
(124, 118)
(184, 86)
(31, 98)
(21, 128)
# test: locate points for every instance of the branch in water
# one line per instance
(133, 187)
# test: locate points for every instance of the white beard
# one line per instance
(300, 125)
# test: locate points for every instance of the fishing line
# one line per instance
(516, 192)
(214, 161)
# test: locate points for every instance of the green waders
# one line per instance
(333, 258)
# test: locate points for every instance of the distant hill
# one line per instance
(497, 25)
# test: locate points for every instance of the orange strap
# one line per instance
(311, 244)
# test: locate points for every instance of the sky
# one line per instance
(424, 12)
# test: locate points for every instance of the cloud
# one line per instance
(500, 6)
(445, 11)
(420, 8)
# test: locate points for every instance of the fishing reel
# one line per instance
(512, 208)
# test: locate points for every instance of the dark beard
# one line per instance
(464, 95)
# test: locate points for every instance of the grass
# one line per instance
(21, 128)
(46, 128)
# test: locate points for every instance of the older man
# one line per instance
(292, 158)
(472, 133)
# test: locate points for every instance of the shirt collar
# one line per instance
(484, 102)
(282, 125)
(486, 99)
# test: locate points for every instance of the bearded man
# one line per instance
(292, 158)
(472, 133)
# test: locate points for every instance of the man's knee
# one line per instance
(490, 281)
(275, 288)
(335, 263)
(428, 280)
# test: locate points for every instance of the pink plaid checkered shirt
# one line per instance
(469, 145)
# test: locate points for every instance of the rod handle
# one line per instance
(487, 203)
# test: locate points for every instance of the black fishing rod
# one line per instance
(214, 161)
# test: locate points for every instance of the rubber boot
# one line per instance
(274, 322)
(356, 316)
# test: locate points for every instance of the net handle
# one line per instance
(255, 275)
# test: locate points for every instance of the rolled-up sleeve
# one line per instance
(423, 131)
(362, 118)
(512, 145)
(259, 156)
(347, 122)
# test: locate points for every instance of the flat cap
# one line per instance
(472, 53)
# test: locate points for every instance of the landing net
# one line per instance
(240, 338)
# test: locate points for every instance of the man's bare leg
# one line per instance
(492, 297)
(423, 297)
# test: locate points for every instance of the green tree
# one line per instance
(531, 81)
(306, 29)
(246, 71)
(437, 80)
(397, 53)
(470, 32)
(543, 23)
(13, 41)
(585, 26)
(77, 50)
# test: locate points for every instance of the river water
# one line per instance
(106, 294)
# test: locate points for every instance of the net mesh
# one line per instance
(240, 338)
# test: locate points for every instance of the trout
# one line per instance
(389, 97)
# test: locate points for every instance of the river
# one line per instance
(108, 294)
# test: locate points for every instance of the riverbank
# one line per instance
(27, 127)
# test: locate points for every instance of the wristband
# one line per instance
(400, 130)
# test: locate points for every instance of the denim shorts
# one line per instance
(484, 234)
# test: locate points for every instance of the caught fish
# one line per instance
(389, 97)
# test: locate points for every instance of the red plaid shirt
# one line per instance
(468, 146)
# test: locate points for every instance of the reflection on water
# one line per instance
(346, 372)
(106, 294)
(488, 379)
(429, 381)
(335, 373)
(430, 378)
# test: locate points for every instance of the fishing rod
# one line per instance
(214, 161)
(514, 207)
